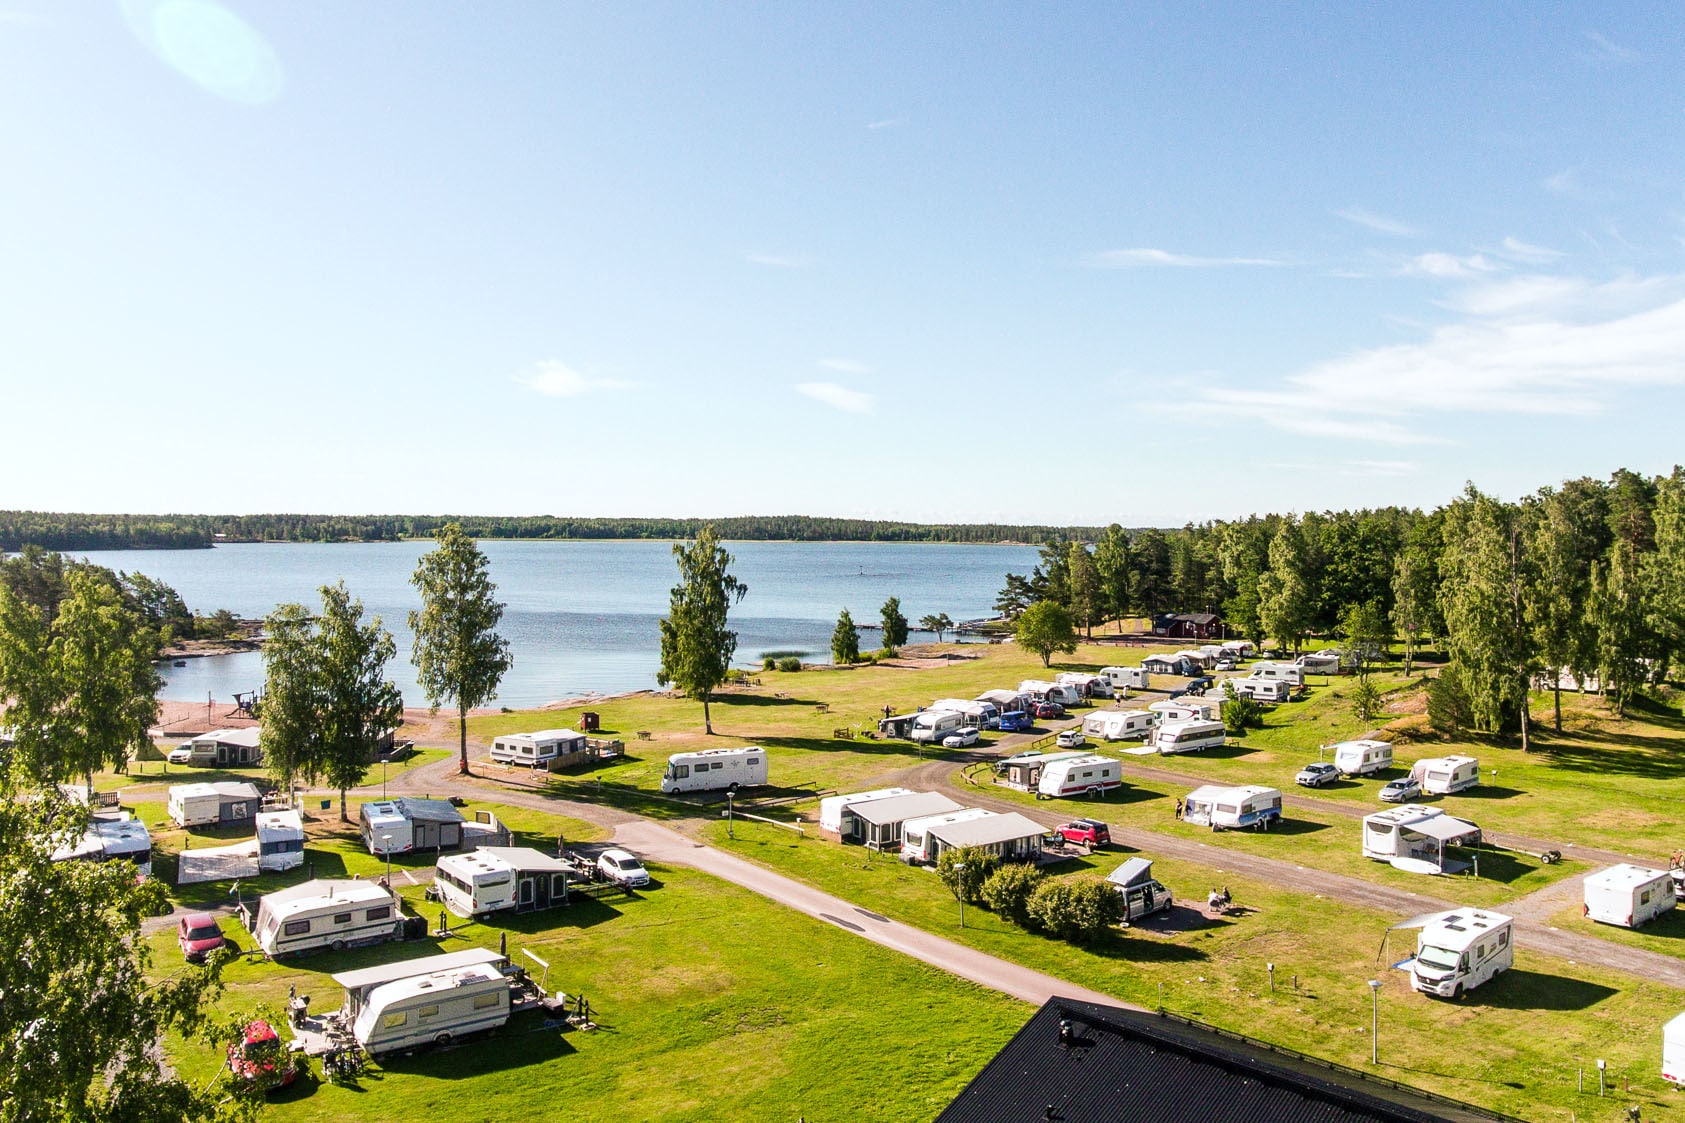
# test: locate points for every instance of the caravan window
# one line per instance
(342, 918)
(487, 1001)
(752, 760)
(427, 1012)
(681, 771)
(295, 928)
(380, 913)
(393, 1021)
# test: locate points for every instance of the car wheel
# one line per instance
(1457, 992)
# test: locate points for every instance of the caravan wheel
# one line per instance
(442, 1039)
(732, 790)
(337, 945)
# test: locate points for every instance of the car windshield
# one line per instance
(210, 932)
(1437, 957)
(629, 863)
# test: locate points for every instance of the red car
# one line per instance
(258, 1059)
(1048, 710)
(199, 935)
(1090, 831)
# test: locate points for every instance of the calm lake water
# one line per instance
(582, 615)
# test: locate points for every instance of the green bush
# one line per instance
(1007, 892)
(966, 883)
(790, 663)
(769, 664)
(1077, 909)
(1240, 712)
(1366, 700)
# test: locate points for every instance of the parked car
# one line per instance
(199, 935)
(1072, 739)
(1090, 831)
(181, 754)
(1316, 775)
(1225, 665)
(1014, 721)
(1198, 686)
(1046, 710)
(623, 868)
(960, 738)
(1401, 791)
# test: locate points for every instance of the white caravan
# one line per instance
(1322, 663)
(1090, 774)
(431, 1000)
(536, 750)
(976, 714)
(715, 770)
(1673, 1051)
(1185, 709)
(917, 845)
(1290, 673)
(1119, 725)
(333, 914)
(1238, 648)
(194, 805)
(1458, 951)
(1445, 775)
(1360, 758)
(1123, 678)
(1188, 736)
(1260, 689)
(833, 809)
(1223, 808)
(112, 839)
(1004, 700)
(1091, 686)
(280, 840)
(386, 829)
(1062, 693)
(1628, 895)
(933, 725)
(473, 884)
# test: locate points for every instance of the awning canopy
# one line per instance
(1446, 829)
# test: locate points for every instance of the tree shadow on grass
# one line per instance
(1226, 752)
(1485, 791)
(1655, 758)
(1534, 990)
(746, 699)
(1291, 827)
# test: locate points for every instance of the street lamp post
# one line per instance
(386, 844)
(383, 763)
(1375, 1021)
(959, 890)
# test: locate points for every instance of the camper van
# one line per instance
(1223, 808)
(536, 750)
(473, 884)
(1260, 689)
(1119, 725)
(1290, 673)
(1461, 950)
(1188, 736)
(1143, 894)
(1628, 895)
(933, 725)
(1361, 758)
(1445, 775)
(1091, 686)
(715, 770)
(1089, 774)
(1185, 709)
(1123, 678)
(432, 1000)
(1322, 663)
(917, 845)
(1060, 692)
(333, 914)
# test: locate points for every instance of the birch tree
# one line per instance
(459, 655)
(696, 645)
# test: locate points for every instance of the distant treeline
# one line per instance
(57, 531)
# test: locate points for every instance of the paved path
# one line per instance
(660, 844)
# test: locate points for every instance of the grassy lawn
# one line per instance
(1665, 934)
(714, 1004)
(150, 772)
(1514, 1046)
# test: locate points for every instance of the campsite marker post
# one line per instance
(730, 808)
(1375, 1022)
(959, 875)
(1271, 968)
(1601, 1065)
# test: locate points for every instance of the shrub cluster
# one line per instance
(789, 663)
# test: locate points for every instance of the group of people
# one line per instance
(1218, 900)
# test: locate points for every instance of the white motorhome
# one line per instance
(1460, 950)
(1091, 685)
(1090, 774)
(1260, 689)
(1322, 663)
(1062, 693)
(833, 810)
(335, 914)
(536, 750)
(1628, 895)
(1446, 775)
(1119, 725)
(917, 845)
(1123, 678)
(1185, 709)
(933, 725)
(280, 840)
(1361, 758)
(975, 714)
(1290, 673)
(715, 770)
(431, 1000)
(473, 884)
(1224, 808)
(1143, 894)
(1188, 736)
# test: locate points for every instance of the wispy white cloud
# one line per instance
(775, 260)
(1381, 468)
(886, 123)
(558, 380)
(1518, 250)
(1446, 265)
(845, 366)
(1135, 258)
(1381, 224)
(837, 397)
(1564, 182)
(1604, 50)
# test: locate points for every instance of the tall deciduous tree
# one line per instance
(1664, 576)
(938, 622)
(1412, 589)
(1088, 595)
(894, 626)
(696, 645)
(82, 684)
(1482, 577)
(1045, 629)
(1285, 601)
(845, 641)
(459, 656)
(291, 687)
(359, 704)
(1561, 548)
(1111, 558)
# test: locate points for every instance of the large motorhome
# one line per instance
(1188, 736)
(933, 725)
(1290, 673)
(1119, 725)
(336, 914)
(1460, 950)
(1123, 678)
(1446, 775)
(1090, 774)
(431, 1000)
(1628, 895)
(537, 750)
(1360, 758)
(715, 770)
(1223, 808)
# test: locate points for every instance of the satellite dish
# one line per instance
(1416, 865)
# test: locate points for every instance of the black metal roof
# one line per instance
(1123, 1066)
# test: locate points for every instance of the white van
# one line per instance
(1260, 689)
(1360, 758)
(715, 770)
(1628, 895)
(1118, 725)
(1461, 950)
(536, 750)
(1080, 775)
(1223, 808)
(1290, 673)
(933, 725)
(1446, 775)
(474, 884)
(432, 1000)
(1142, 893)
(1189, 736)
(330, 913)
(1127, 677)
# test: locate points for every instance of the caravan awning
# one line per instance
(1446, 829)
(990, 831)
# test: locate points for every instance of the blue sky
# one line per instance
(1070, 263)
